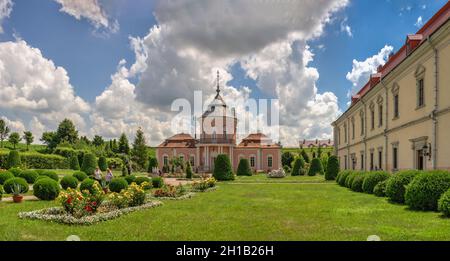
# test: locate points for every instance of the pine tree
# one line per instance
(123, 147)
(140, 153)
(298, 168)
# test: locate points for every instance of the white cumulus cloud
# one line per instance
(5, 11)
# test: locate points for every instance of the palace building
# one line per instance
(218, 136)
(401, 118)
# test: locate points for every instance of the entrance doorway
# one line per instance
(420, 160)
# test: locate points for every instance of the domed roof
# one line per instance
(218, 107)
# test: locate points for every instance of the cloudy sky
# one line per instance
(114, 65)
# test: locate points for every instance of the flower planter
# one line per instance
(17, 198)
(105, 190)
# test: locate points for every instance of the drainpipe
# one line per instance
(386, 138)
(433, 114)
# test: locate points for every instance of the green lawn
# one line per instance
(262, 178)
(289, 211)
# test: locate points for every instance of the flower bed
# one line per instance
(181, 197)
(203, 185)
(59, 215)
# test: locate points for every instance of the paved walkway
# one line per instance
(175, 182)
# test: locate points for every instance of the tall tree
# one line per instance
(28, 137)
(114, 146)
(14, 139)
(49, 138)
(4, 131)
(98, 141)
(140, 153)
(124, 147)
(66, 132)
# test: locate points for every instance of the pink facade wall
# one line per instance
(261, 156)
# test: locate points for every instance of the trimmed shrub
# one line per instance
(222, 168)
(50, 174)
(117, 184)
(15, 171)
(152, 163)
(35, 160)
(89, 164)
(102, 164)
(244, 168)
(130, 179)
(380, 189)
(372, 179)
(299, 165)
(88, 184)
(350, 178)
(396, 185)
(4, 176)
(357, 182)
(80, 175)
(46, 189)
(9, 184)
(29, 175)
(316, 167)
(332, 168)
(1, 192)
(140, 180)
(73, 162)
(426, 188)
(157, 182)
(342, 177)
(69, 181)
(444, 203)
(189, 173)
(13, 159)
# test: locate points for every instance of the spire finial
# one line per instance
(218, 79)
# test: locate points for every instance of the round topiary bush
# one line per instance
(50, 174)
(130, 179)
(298, 167)
(357, 182)
(396, 185)
(117, 184)
(8, 186)
(29, 175)
(140, 180)
(426, 188)
(189, 173)
(15, 171)
(88, 184)
(4, 176)
(74, 163)
(343, 177)
(1, 192)
(316, 167)
(350, 178)
(89, 164)
(380, 189)
(69, 181)
(244, 168)
(332, 168)
(102, 163)
(444, 203)
(13, 160)
(46, 189)
(157, 182)
(80, 175)
(372, 179)
(222, 168)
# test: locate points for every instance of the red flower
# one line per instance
(69, 200)
(88, 208)
(94, 203)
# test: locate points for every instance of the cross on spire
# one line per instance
(218, 79)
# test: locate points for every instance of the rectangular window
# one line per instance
(166, 161)
(421, 93)
(372, 112)
(362, 161)
(380, 159)
(362, 126)
(252, 162)
(396, 108)
(345, 133)
(353, 130)
(380, 116)
(395, 158)
(269, 162)
(371, 161)
(345, 162)
(192, 160)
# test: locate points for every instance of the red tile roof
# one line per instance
(181, 140)
(412, 42)
(257, 140)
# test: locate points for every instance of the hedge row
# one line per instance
(32, 160)
(420, 190)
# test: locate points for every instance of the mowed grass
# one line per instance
(262, 178)
(290, 211)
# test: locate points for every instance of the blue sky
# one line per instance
(91, 54)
